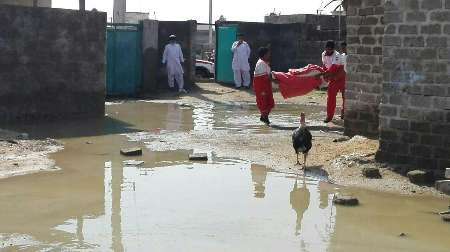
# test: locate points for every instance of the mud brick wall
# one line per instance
(52, 63)
(365, 31)
(415, 109)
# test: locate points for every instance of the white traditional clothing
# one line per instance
(240, 65)
(334, 59)
(173, 57)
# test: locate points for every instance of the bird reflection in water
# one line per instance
(299, 199)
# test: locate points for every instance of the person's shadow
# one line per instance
(299, 199)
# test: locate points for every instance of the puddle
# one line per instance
(101, 201)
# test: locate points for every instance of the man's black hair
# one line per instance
(262, 51)
(344, 44)
(330, 44)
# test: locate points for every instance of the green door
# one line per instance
(123, 60)
(226, 35)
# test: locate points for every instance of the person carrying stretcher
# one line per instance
(262, 85)
(333, 63)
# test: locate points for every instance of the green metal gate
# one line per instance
(226, 35)
(124, 59)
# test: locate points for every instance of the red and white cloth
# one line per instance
(298, 82)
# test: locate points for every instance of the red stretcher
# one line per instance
(298, 82)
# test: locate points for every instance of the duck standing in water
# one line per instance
(302, 140)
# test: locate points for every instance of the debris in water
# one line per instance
(371, 172)
(402, 235)
(198, 157)
(88, 142)
(341, 139)
(131, 152)
(418, 177)
(443, 186)
(132, 162)
(12, 141)
(445, 216)
(345, 200)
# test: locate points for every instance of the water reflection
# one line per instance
(299, 199)
(259, 175)
(203, 116)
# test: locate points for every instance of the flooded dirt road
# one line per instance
(98, 202)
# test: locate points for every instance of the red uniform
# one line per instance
(262, 86)
(334, 65)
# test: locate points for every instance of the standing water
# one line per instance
(100, 202)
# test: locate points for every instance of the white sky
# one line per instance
(236, 10)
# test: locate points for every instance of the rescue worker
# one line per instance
(241, 67)
(262, 84)
(335, 76)
(172, 58)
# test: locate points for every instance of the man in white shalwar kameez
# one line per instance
(173, 57)
(241, 67)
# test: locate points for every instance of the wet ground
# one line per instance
(98, 202)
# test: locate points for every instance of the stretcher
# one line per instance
(298, 82)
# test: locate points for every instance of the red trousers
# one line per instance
(334, 87)
(264, 94)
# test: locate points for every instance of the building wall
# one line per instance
(135, 17)
(365, 31)
(415, 109)
(52, 63)
(293, 45)
(155, 38)
(41, 3)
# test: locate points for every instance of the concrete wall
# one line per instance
(415, 109)
(365, 31)
(150, 55)
(155, 37)
(52, 63)
(293, 45)
(185, 32)
(40, 3)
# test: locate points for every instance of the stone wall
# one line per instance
(52, 63)
(415, 109)
(365, 31)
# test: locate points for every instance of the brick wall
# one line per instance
(365, 31)
(415, 108)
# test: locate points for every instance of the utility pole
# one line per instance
(120, 7)
(35, 3)
(210, 25)
(82, 5)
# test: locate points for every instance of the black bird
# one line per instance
(302, 140)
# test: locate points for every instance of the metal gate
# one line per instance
(124, 59)
(226, 35)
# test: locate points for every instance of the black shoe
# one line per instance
(265, 119)
(327, 120)
(248, 87)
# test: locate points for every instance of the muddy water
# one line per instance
(97, 203)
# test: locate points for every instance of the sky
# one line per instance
(179, 10)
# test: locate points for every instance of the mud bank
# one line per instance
(19, 156)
